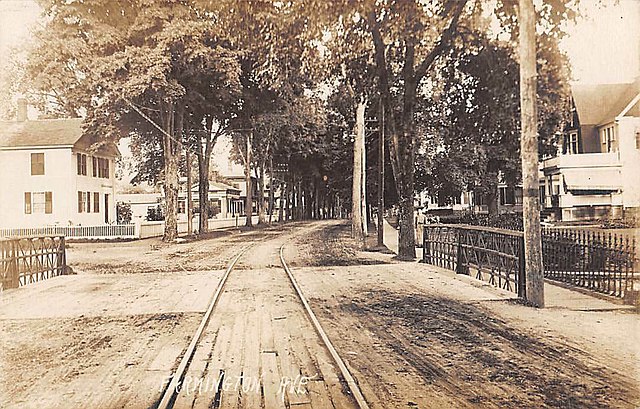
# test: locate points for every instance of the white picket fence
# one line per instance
(141, 230)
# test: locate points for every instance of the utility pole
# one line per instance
(189, 207)
(529, 151)
(381, 177)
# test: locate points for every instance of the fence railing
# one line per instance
(140, 230)
(30, 259)
(95, 232)
(599, 261)
(488, 254)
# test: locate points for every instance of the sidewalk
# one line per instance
(556, 296)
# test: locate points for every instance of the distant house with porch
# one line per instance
(225, 201)
(53, 175)
(596, 173)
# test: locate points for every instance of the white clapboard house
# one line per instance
(52, 175)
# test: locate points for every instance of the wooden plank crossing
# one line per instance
(271, 357)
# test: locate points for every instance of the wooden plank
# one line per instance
(251, 394)
(353, 386)
(271, 378)
(295, 390)
(218, 355)
(230, 396)
(165, 402)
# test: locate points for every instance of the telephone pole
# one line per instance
(529, 156)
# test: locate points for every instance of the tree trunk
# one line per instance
(529, 151)
(204, 160)
(357, 230)
(272, 189)
(363, 184)
(189, 202)
(248, 204)
(287, 201)
(283, 194)
(172, 149)
(260, 200)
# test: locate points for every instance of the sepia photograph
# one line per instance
(319, 204)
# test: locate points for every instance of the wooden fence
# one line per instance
(29, 259)
(597, 261)
(107, 231)
(140, 230)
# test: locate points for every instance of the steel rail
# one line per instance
(170, 392)
(351, 382)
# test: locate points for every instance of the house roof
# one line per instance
(598, 104)
(50, 133)
(139, 198)
(215, 186)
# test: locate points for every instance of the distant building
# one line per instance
(224, 201)
(50, 174)
(141, 203)
(596, 173)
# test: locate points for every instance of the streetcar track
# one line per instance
(350, 386)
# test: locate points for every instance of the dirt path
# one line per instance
(413, 335)
(109, 336)
(420, 338)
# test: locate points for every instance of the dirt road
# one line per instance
(412, 335)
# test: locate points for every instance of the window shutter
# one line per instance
(27, 202)
(48, 202)
(96, 202)
(80, 202)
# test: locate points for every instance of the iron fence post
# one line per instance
(522, 274)
(426, 252)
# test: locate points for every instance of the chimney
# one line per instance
(22, 110)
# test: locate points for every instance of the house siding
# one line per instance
(59, 178)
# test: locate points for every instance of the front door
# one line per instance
(106, 209)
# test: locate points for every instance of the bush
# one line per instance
(510, 221)
(123, 212)
(155, 215)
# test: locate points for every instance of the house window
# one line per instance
(84, 202)
(182, 206)
(608, 138)
(638, 138)
(82, 164)
(94, 161)
(103, 168)
(573, 143)
(518, 195)
(37, 164)
(510, 195)
(96, 202)
(38, 202)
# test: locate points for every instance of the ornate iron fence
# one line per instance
(29, 259)
(493, 255)
(599, 261)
